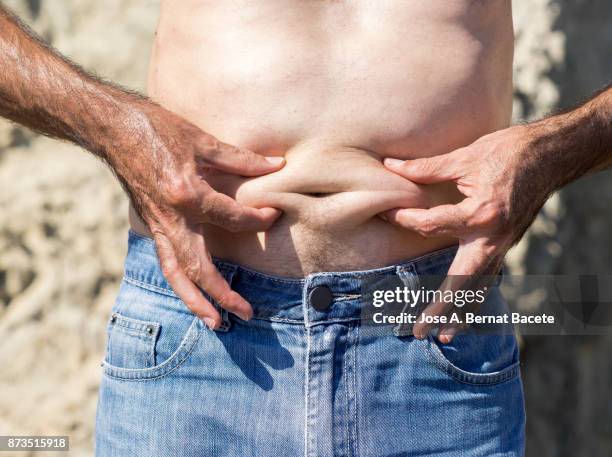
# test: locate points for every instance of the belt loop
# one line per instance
(410, 279)
(226, 324)
(227, 271)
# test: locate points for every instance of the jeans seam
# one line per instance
(307, 395)
(165, 368)
(355, 390)
(250, 272)
(309, 448)
(347, 394)
(146, 285)
(478, 379)
(334, 321)
(281, 320)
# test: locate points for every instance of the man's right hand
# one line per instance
(161, 159)
(163, 162)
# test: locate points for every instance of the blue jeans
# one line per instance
(298, 380)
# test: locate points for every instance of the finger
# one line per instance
(474, 259)
(223, 211)
(239, 161)
(435, 309)
(443, 220)
(447, 333)
(195, 260)
(182, 285)
(471, 269)
(427, 170)
(218, 288)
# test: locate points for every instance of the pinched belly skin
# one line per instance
(330, 198)
(334, 86)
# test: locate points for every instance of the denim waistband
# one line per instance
(280, 298)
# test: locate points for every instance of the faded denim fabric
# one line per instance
(297, 381)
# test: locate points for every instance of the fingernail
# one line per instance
(444, 339)
(245, 316)
(210, 323)
(275, 160)
(389, 162)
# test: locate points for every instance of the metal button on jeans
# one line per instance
(320, 298)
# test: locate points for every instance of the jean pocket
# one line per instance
(476, 358)
(131, 342)
(149, 334)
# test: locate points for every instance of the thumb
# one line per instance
(231, 159)
(427, 170)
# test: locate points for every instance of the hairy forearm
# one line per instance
(44, 91)
(571, 144)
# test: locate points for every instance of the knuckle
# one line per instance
(490, 251)
(192, 270)
(427, 166)
(489, 214)
(215, 320)
(428, 227)
(495, 215)
(225, 298)
(209, 145)
(233, 223)
(239, 157)
(180, 192)
(417, 166)
(169, 268)
(464, 158)
(243, 156)
(190, 299)
(208, 205)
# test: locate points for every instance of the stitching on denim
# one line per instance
(148, 286)
(334, 320)
(117, 309)
(347, 393)
(277, 319)
(307, 395)
(345, 297)
(478, 379)
(355, 396)
(110, 372)
(303, 321)
(108, 347)
(140, 375)
(307, 437)
(224, 264)
(482, 379)
(140, 334)
(130, 323)
(137, 330)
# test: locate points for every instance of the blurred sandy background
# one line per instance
(63, 231)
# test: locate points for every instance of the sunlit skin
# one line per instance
(333, 87)
(296, 136)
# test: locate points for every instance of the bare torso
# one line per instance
(334, 86)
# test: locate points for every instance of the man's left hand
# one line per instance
(503, 189)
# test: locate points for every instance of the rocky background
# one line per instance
(63, 231)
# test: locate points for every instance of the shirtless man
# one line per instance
(254, 170)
